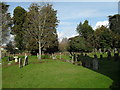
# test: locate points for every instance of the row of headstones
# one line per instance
(86, 63)
(21, 64)
(109, 55)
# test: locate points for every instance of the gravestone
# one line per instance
(74, 58)
(72, 61)
(16, 58)
(87, 64)
(100, 50)
(81, 54)
(53, 57)
(95, 63)
(37, 55)
(109, 55)
(26, 60)
(20, 63)
(101, 56)
(78, 58)
(8, 59)
(116, 56)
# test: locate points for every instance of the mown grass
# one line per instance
(52, 74)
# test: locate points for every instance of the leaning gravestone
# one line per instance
(20, 63)
(26, 60)
(95, 63)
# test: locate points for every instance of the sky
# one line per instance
(70, 14)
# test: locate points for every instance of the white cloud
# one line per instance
(100, 23)
(66, 32)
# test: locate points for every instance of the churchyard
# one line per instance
(40, 49)
(62, 72)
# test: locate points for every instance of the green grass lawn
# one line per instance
(52, 74)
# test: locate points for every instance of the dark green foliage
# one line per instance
(84, 30)
(18, 21)
(78, 44)
(102, 37)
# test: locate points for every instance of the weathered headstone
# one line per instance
(53, 57)
(116, 56)
(74, 57)
(78, 58)
(109, 55)
(8, 59)
(16, 58)
(26, 60)
(72, 61)
(37, 55)
(95, 63)
(100, 50)
(87, 63)
(81, 54)
(20, 63)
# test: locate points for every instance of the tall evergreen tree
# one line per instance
(17, 30)
(84, 30)
(103, 37)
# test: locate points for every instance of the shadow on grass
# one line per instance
(106, 66)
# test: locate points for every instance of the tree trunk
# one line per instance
(39, 57)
